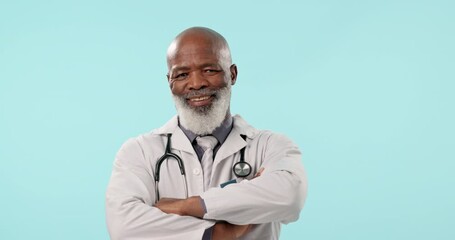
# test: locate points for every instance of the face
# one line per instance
(197, 69)
(200, 77)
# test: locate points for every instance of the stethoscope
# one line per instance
(241, 169)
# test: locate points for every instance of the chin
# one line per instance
(204, 119)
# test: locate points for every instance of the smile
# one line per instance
(198, 99)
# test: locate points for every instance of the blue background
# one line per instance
(365, 88)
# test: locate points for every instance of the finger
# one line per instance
(259, 172)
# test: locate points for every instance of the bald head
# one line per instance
(199, 40)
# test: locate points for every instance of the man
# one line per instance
(203, 197)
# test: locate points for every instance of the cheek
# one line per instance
(177, 88)
(220, 82)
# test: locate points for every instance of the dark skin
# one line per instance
(199, 59)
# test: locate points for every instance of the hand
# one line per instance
(227, 231)
(187, 207)
(183, 207)
(259, 172)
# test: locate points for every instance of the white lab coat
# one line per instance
(276, 197)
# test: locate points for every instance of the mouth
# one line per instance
(198, 101)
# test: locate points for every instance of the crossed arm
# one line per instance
(192, 206)
(276, 196)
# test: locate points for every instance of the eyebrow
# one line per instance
(185, 68)
(182, 68)
(209, 65)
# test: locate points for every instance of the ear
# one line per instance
(169, 81)
(234, 72)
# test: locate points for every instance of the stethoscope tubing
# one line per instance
(241, 169)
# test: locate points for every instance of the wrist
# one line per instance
(222, 231)
(192, 206)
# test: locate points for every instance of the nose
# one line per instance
(197, 81)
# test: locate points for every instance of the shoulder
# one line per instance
(137, 146)
(152, 137)
(148, 143)
(258, 135)
(274, 150)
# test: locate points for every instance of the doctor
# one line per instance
(199, 192)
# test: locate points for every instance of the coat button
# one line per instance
(196, 171)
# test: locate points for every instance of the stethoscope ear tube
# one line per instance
(168, 154)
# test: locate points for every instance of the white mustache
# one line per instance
(203, 92)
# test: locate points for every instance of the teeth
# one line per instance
(199, 98)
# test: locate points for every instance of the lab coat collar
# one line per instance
(169, 127)
(242, 127)
(233, 143)
(179, 141)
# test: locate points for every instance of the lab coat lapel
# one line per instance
(234, 142)
(179, 141)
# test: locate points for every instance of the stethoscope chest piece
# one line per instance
(242, 169)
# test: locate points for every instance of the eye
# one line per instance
(180, 76)
(211, 71)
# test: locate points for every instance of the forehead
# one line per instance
(193, 53)
(197, 49)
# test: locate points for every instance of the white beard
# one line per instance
(203, 120)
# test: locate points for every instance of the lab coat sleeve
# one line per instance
(277, 195)
(129, 198)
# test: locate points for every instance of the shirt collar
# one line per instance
(220, 133)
